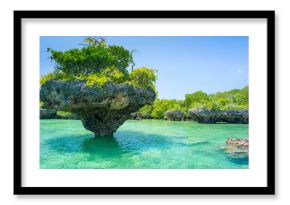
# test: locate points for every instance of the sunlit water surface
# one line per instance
(144, 144)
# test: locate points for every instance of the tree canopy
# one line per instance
(197, 97)
(236, 99)
(93, 57)
(98, 63)
(143, 77)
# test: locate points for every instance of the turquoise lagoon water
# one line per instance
(144, 144)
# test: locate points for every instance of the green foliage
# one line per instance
(230, 100)
(143, 77)
(92, 58)
(96, 79)
(63, 114)
(94, 41)
(98, 63)
(197, 97)
(110, 74)
(42, 104)
(146, 111)
(121, 58)
(160, 107)
(174, 107)
(66, 115)
(114, 74)
(53, 76)
(46, 78)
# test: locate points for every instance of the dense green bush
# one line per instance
(143, 77)
(109, 74)
(92, 58)
(97, 64)
(46, 78)
(230, 100)
(146, 111)
(42, 104)
(54, 75)
(195, 98)
(160, 107)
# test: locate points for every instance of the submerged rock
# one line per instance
(237, 150)
(215, 116)
(102, 111)
(238, 142)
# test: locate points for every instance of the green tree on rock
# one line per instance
(94, 82)
(98, 63)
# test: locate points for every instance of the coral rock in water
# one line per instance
(214, 116)
(102, 110)
(176, 115)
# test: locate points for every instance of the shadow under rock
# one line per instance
(65, 144)
(103, 146)
(124, 141)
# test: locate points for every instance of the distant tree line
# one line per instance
(236, 99)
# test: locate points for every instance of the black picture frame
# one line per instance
(268, 190)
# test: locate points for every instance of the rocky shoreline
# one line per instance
(47, 114)
(203, 116)
(216, 116)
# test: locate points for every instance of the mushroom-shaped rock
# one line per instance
(102, 110)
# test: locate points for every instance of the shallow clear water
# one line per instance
(144, 144)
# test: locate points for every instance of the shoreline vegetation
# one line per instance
(221, 107)
(228, 107)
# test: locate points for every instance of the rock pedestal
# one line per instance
(102, 110)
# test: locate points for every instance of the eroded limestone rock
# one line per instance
(102, 110)
(175, 115)
(215, 116)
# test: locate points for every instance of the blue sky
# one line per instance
(185, 64)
